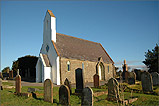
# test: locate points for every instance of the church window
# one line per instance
(47, 48)
(108, 69)
(68, 66)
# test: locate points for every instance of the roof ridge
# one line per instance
(78, 38)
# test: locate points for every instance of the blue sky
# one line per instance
(126, 29)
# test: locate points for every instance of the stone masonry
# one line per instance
(89, 70)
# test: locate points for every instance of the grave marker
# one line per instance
(146, 80)
(87, 97)
(68, 84)
(155, 78)
(18, 84)
(113, 89)
(96, 80)
(48, 91)
(64, 95)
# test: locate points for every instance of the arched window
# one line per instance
(68, 65)
(47, 48)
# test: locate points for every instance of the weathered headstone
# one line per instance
(138, 74)
(11, 74)
(155, 78)
(64, 95)
(18, 84)
(87, 97)
(146, 80)
(48, 91)
(113, 89)
(68, 84)
(79, 80)
(131, 78)
(96, 80)
(1, 87)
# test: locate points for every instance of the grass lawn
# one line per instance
(8, 98)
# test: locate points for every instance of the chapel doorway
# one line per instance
(79, 80)
(101, 71)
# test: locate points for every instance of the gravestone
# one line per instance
(155, 78)
(1, 87)
(64, 95)
(138, 74)
(18, 84)
(87, 97)
(68, 84)
(48, 91)
(146, 80)
(113, 89)
(79, 80)
(11, 74)
(131, 78)
(96, 80)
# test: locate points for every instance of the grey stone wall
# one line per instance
(89, 70)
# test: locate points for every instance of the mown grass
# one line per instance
(9, 99)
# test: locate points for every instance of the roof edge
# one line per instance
(55, 48)
(51, 13)
(106, 52)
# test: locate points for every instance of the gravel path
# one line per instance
(24, 83)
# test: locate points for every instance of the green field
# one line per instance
(8, 97)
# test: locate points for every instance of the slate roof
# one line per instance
(76, 48)
(46, 60)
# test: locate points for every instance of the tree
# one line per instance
(151, 59)
(25, 63)
(6, 70)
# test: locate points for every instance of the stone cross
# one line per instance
(79, 80)
(146, 80)
(64, 95)
(155, 78)
(48, 91)
(96, 80)
(87, 97)
(18, 84)
(113, 89)
(68, 84)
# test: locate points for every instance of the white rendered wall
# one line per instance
(49, 34)
(53, 28)
(58, 70)
(39, 70)
(47, 73)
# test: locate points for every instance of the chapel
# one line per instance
(61, 55)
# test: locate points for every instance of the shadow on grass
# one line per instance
(55, 101)
(35, 97)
